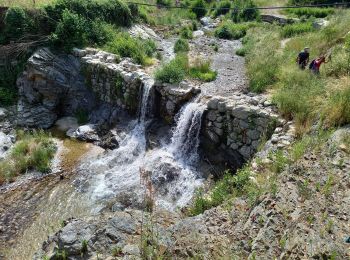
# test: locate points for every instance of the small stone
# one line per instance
(343, 147)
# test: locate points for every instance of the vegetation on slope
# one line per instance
(64, 24)
(32, 151)
(300, 95)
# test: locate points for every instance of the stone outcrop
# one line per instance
(236, 126)
(51, 86)
(170, 98)
(90, 81)
(280, 19)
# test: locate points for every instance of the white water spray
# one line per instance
(171, 167)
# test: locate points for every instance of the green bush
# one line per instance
(181, 45)
(229, 30)
(174, 71)
(245, 11)
(311, 12)
(71, 31)
(15, 22)
(199, 8)
(222, 8)
(31, 152)
(111, 11)
(126, 46)
(241, 51)
(290, 30)
(186, 33)
(8, 77)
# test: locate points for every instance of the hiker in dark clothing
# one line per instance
(303, 58)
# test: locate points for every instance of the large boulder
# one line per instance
(51, 86)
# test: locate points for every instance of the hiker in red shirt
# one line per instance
(316, 64)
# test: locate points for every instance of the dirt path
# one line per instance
(229, 66)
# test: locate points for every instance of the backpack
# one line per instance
(312, 63)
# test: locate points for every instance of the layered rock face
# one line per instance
(235, 127)
(51, 86)
(92, 81)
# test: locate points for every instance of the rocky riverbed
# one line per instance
(160, 143)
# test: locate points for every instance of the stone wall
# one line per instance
(234, 128)
(114, 83)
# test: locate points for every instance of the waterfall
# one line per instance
(185, 140)
(170, 167)
(145, 104)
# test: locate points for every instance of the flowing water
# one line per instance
(171, 167)
(116, 175)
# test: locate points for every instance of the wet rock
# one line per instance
(87, 133)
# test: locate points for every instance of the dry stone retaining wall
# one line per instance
(237, 125)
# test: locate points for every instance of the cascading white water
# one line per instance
(171, 170)
(185, 139)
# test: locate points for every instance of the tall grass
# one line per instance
(337, 108)
(311, 12)
(263, 62)
(295, 29)
(225, 189)
(300, 95)
(179, 68)
(33, 151)
(126, 46)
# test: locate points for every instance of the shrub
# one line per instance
(222, 8)
(174, 71)
(181, 45)
(126, 46)
(295, 29)
(114, 12)
(16, 22)
(241, 51)
(71, 31)
(229, 30)
(186, 33)
(199, 8)
(201, 70)
(311, 12)
(245, 11)
(32, 152)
